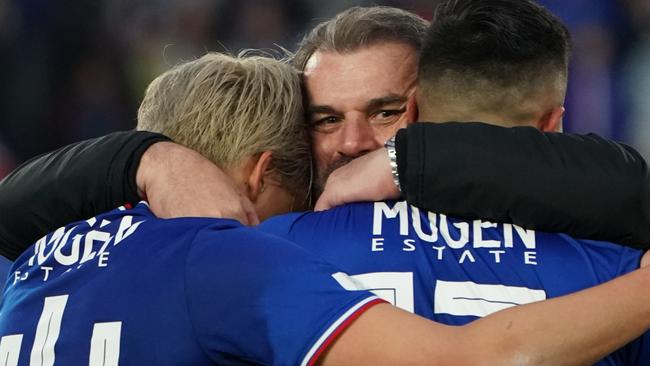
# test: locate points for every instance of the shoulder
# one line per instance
(345, 215)
(611, 258)
(239, 249)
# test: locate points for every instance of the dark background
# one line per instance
(70, 70)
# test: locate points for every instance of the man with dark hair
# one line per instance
(359, 70)
(479, 65)
(349, 115)
(503, 62)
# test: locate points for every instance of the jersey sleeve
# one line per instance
(70, 184)
(582, 185)
(261, 299)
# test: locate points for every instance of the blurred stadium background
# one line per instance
(71, 70)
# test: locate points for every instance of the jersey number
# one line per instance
(104, 343)
(463, 298)
(394, 287)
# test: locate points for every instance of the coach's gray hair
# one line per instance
(360, 27)
(229, 108)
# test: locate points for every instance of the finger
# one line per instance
(324, 202)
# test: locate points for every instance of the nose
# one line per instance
(357, 138)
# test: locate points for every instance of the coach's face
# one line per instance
(358, 100)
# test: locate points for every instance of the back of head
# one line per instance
(229, 108)
(360, 27)
(504, 59)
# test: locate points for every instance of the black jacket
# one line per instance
(585, 186)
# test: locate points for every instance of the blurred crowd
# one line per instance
(71, 70)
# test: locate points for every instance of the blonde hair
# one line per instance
(231, 107)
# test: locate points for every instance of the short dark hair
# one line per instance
(502, 43)
(359, 27)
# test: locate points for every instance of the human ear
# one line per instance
(552, 120)
(257, 176)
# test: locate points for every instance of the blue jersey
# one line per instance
(454, 271)
(5, 265)
(128, 288)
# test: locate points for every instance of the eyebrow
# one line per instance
(382, 101)
(322, 109)
(371, 105)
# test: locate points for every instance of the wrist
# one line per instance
(152, 161)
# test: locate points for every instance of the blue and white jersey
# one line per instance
(454, 271)
(128, 288)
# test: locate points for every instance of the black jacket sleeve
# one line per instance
(70, 184)
(581, 185)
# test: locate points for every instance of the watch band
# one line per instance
(392, 158)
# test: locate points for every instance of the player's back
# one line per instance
(449, 270)
(129, 288)
(131, 304)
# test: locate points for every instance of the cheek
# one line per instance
(402, 123)
(387, 132)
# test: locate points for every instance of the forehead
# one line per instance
(333, 78)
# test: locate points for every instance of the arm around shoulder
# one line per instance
(576, 329)
(69, 184)
(582, 185)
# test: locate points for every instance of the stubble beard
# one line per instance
(321, 180)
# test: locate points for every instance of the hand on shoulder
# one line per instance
(365, 179)
(180, 182)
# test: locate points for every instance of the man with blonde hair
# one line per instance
(144, 290)
(236, 108)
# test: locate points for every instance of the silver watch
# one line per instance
(392, 158)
